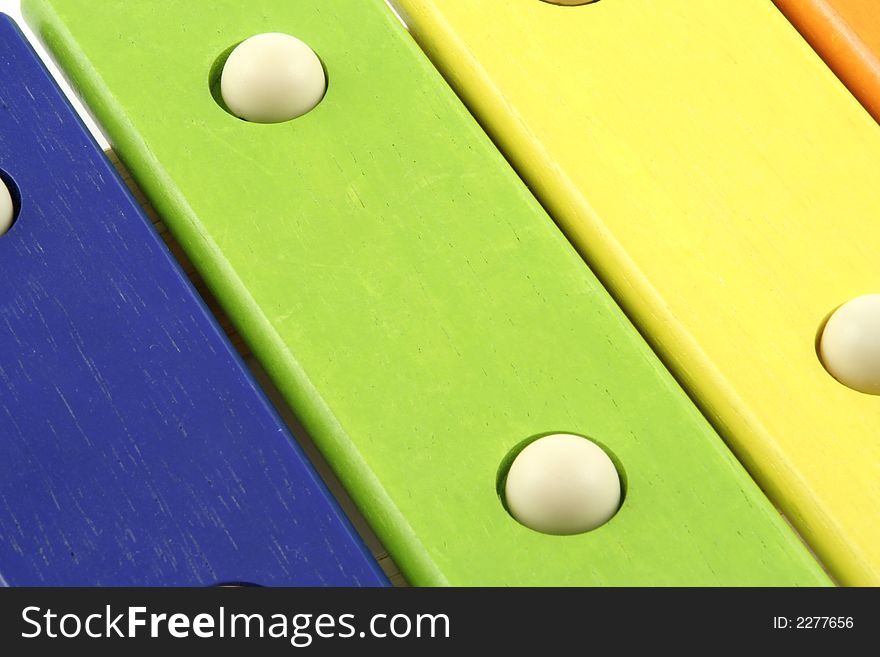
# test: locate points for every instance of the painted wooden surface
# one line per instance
(723, 184)
(294, 426)
(134, 447)
(846, 33)
(413, 302)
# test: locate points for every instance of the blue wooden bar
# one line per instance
(135, 448)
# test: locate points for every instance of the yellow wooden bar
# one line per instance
(724, 184)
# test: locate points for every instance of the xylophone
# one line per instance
(393, 265)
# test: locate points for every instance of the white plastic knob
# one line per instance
(7, 211)
(850, 344)
(271, 78)
(562, 484)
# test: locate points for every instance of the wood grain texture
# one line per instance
(134, 447)
(412, 301)
(293, 424)
(846, 33)
(723, 183)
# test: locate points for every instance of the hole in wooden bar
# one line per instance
(10, 202)
(237, 585)
(561, 483)
(268, 78)
(570, 3)
(848, 344)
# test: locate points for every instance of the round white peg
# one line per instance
(850, 344)
(7, 210)
(562, 484)
(271, 78)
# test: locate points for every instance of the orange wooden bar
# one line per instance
(846, 33)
